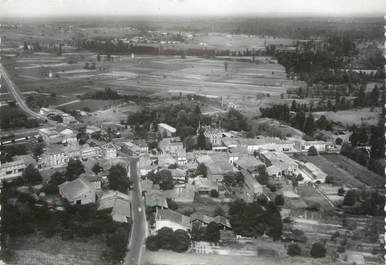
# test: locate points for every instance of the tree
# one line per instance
(118, 244)
(312, 151)
(38, 150)
(152, 243)
(166, 238)
(97, 168)
(212, 232)
(341, 191)
(202, 170)
(279, 200)
(318, 250)
(172, 205)
(181, 241)
(57, 178)
(165, 180)
(214, 193)
(117, 178)
(338, 141)
(350, 198)
(74, 169)
(219, 211)
(201, 140)
(31, 175)
(294, 250)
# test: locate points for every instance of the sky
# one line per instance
(38, 8)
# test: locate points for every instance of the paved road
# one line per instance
(12, 88)
(138, 236)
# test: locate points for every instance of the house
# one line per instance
(165, 160)
(78, 191)
(142, 146)
(312, 172)
(55, 135)
(235, 153)
(181, 157)
(230, 142)
(249, 163)
(12, 170)
(118, 205)
(204, 185)
(95, 180)
(58, 156)
(320, 146)
(267, 143)
(222, 222)
(200, 219)
(178, 174)
(171, 146)
(146, 185)
(145, 165)
(181, 194)
(155, 198)
(217, 163)
(252, 187)
(171, 219)
(213, 134)
(166, 130)
(109, 151)
(278, 163)
(87, 151)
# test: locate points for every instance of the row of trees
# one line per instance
(301, 120)
(166, 238)
(364, 202)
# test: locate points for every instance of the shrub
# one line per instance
(294, 250)
(152, 243)
(214, 193)
(318, 250)
(279, 200)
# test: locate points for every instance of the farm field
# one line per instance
(313, 198)
(356, 170)
(172, 258)
(148, 75)
(340, 176)
(351, 117)
(39, 250)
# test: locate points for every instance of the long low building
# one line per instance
(13, 170)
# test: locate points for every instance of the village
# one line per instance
(196, 191)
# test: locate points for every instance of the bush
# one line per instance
(172, 205)
(312, 151)
(214, 193)
(152, 243)
(341, 191)
(294, 250)
(279, 200)
(318, 250)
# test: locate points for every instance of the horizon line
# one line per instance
(246, 15)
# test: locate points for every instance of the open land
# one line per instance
(354, 116)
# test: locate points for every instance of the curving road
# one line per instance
(136, 245)
(12, 88)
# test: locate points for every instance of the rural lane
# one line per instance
(136, 245)
(15, 93)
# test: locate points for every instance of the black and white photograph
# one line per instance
(192, 132)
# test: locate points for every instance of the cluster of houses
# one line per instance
(231, 153)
